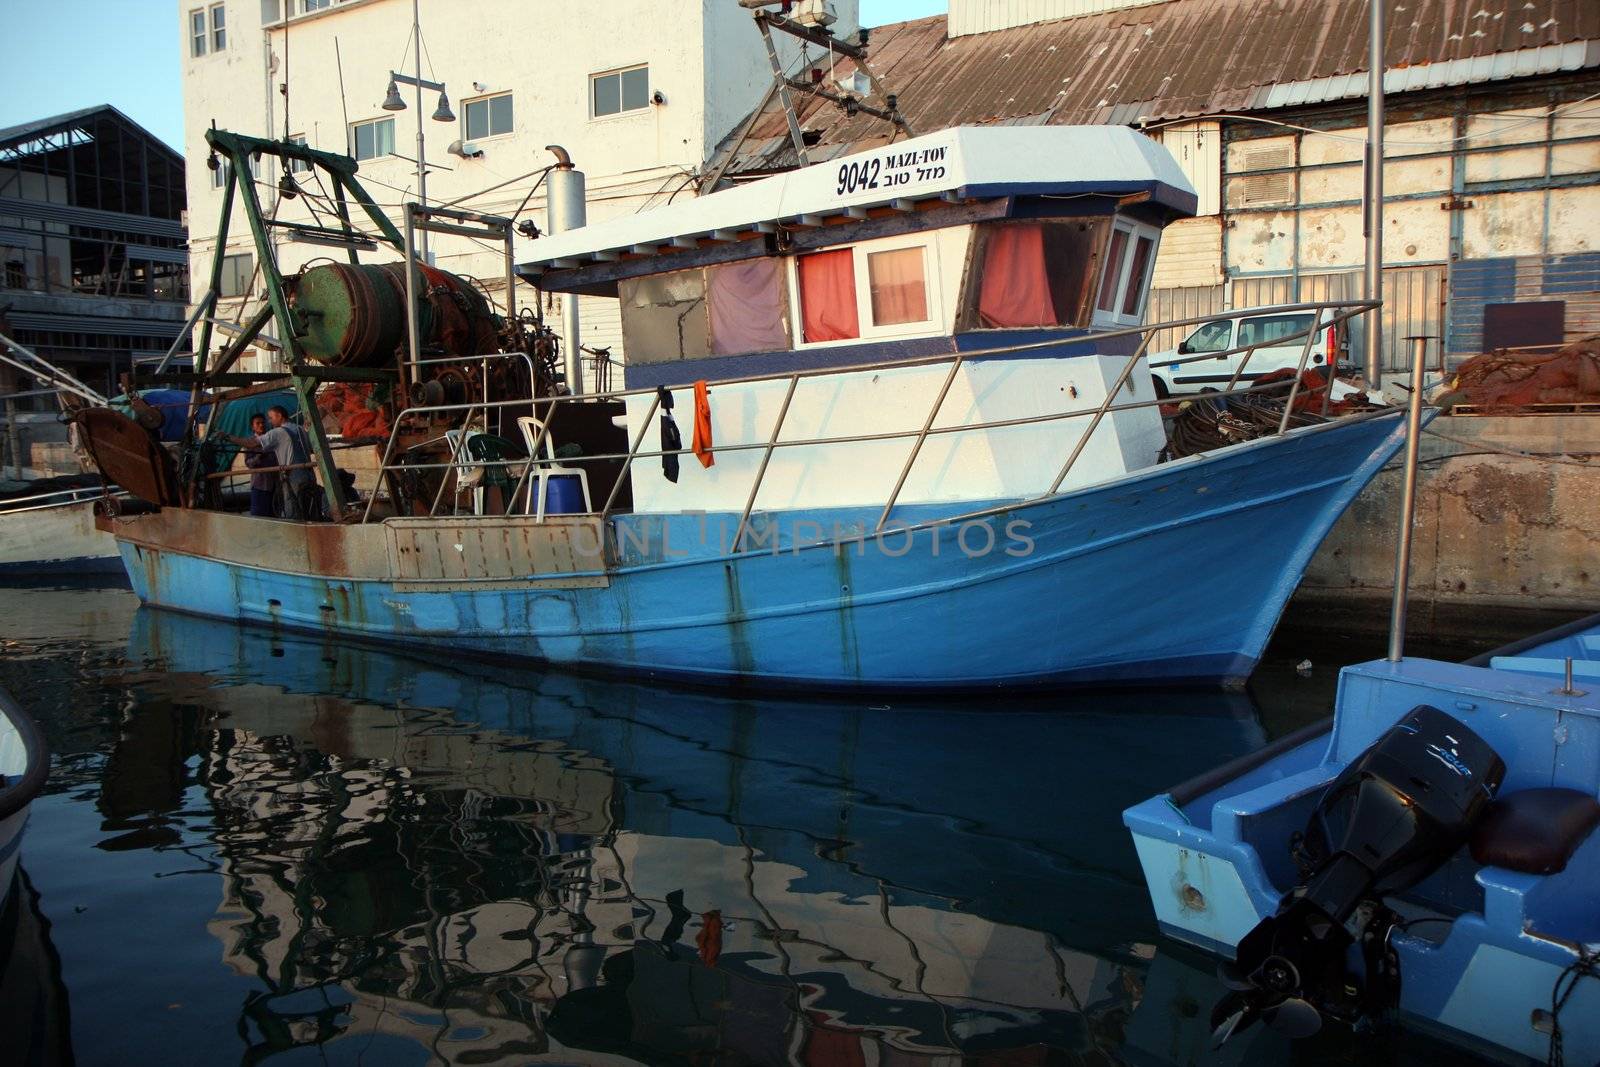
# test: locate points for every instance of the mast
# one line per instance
(1372, 208)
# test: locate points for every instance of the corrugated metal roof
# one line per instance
(27, 131)
(1184, 58)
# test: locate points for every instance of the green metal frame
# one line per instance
(237, 149)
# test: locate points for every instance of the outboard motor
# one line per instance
(1394, 816)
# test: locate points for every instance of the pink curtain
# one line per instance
(899, 291)
(746, 306)
(828, 296)
(1016, 286)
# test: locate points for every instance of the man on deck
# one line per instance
(290, 447)
(263, 486)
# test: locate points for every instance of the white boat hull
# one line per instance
(60, 538)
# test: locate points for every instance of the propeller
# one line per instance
(1269, 994)
(1294, 1018)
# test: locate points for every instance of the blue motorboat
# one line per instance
(926, 450)
(1428, 854)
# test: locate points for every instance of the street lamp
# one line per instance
(392, 101)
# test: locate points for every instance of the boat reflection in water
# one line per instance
(580, 867)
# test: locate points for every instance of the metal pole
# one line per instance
(1300, 370)
(1373, 213)
(761, 472)
(567, 211)
(13, 437)
(422, 166)
(781, 83)
(1408, 500)
(202, 308)
(916, 446)
(413, 327)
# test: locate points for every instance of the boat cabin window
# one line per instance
(879, 288)
(898, 282)
(1130, 255)
(724, 310)
(1033, 274)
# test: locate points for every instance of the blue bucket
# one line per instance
(564, 495)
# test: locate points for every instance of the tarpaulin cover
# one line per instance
(173, 405)
(235, 420)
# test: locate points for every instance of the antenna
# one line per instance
(767, 21)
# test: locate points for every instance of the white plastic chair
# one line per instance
(545, 468)
(467, 476)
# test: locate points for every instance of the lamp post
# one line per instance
(442, 113)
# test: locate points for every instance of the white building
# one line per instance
(638, 91)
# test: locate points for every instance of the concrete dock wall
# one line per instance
(1502, 543)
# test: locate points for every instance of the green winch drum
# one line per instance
(354, 314)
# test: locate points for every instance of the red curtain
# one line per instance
(828, 296)
(1016, 286)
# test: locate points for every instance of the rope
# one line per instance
(1587, 965)
(1484, 448)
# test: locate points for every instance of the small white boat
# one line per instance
(24, 765)
(54, 533)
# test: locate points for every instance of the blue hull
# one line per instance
(1175, 575)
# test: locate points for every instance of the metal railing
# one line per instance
(1337, 312)
(56, 499)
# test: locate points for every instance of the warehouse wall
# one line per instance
(1491, 195)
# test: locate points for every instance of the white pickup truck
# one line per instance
(1242, 330)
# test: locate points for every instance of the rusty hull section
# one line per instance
(416, 554)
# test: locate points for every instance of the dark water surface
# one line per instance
(262, 847)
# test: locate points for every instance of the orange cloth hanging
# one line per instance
(702, 425)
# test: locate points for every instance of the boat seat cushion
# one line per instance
(1534, 830)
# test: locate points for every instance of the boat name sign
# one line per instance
(891, 170)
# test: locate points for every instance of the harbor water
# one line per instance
(259, 846)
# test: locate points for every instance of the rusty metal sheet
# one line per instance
(128, 456)
(325, 550)
(1149, 63)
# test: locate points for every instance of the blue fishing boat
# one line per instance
(927, 452)
(1429, 853)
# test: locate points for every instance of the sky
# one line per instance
(61, 55)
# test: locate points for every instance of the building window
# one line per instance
(197, 32)
(618, 91)
(219, 27)
(237, 274)
(489, 116)
(308, 6)
(220, 176)
(897, 284)
(368, 140)
(298, 166)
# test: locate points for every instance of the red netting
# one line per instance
(1506, 382)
